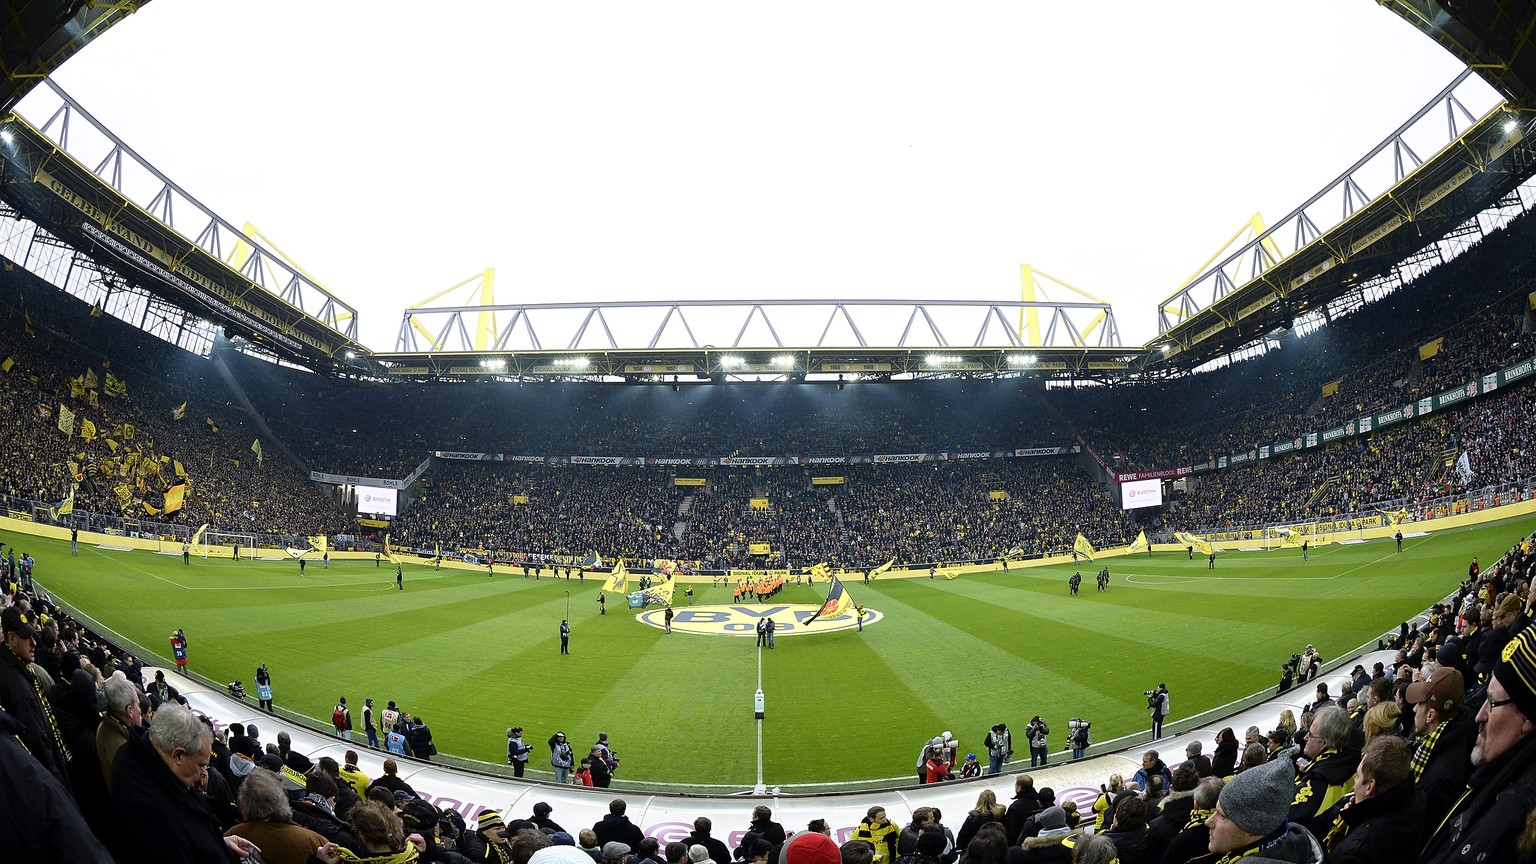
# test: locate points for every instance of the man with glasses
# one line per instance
(1487, 822)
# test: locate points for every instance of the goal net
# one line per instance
(217, 543)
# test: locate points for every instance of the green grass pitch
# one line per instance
(474, 655)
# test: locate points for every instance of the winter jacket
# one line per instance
(1445, 777)
(1488, 823)
(1319, 786)
(1381, 830)
(1048, 848)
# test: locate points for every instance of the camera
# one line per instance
(237, 690)
(1077, 723)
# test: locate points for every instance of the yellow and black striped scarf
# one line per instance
(1426, 749)
(53, 724)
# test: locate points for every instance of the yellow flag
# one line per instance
(66, 421)
(173, 498)
(111, 445)
(76, 387)
(1140, 543)
(256, 448)
(89, 380)
(92, 399)
(820, 572)
(883, 567)
(26, 324)
(6, 364)
(180, 471)
(87, 430)
(618, 580)
(1083, 547)
(179, 411)
(211, 425)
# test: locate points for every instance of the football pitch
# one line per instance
(473, 655)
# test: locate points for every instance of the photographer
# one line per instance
(1078, 736)
(1036, 733)
(517, 751)
(999, 748)
(1158, 705)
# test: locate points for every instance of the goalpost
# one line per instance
(218, 542)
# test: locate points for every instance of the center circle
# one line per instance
(740, 619)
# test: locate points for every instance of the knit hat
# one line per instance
(930, 844)
(490, 819)
(1443, 692)
(560, 855)
(1517, 671)
(1258, 799)
(811, 847)
(1051, 818)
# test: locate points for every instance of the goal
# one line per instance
(217, 543)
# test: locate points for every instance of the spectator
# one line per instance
(1383, 819)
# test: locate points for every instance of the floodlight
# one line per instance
(7, 137)
(1510, 125)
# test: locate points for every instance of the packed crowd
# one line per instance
(915, 513)
(59, 341)
(1475, 303)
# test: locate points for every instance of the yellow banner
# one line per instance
(755, 503)
(373, 523)
(1430, 349)
(519, 499)
(828, 481)
(759, 549)
(998, 495)
(689, 481)
(1332, 387)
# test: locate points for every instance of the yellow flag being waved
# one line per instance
(179, 411)
(1140, 544)
(66, 421)
(618, 580)
(1083, 547)
(256, 448)
(87, 430)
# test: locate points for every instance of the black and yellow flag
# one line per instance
(179, 411)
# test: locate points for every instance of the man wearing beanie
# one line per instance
(1488, 822)
(1048, 847)
(1249, 821)
(494, 832)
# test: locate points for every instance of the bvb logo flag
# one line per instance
(837, 602)
(820, 572)
(1083, 547)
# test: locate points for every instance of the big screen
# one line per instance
(1141, 493)
(377, 500)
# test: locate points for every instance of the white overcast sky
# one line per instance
(693, 150)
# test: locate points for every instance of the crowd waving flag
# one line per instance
(837, 603)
